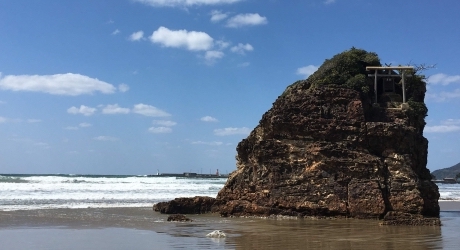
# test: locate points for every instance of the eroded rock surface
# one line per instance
(195, 205)
(328, 152)
(325, 149)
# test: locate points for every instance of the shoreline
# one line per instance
(449, 206)
(142, 228)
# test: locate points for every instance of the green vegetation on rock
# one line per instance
(347, 68)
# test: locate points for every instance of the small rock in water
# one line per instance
(178, 217)
(216, 234)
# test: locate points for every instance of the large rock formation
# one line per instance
(324, 149)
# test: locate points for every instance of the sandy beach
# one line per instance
(141, 228)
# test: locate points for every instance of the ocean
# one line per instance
(115, 212)
(29, 192)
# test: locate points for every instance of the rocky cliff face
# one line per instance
(327, 151)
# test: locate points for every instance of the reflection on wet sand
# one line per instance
(242, 233)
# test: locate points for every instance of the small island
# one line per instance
(345, 143)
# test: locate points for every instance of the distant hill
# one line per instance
(447, 172)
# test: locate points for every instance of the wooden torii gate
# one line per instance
(403, 76)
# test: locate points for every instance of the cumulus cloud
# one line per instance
(115, 32)
(217, 15)
(307, 70)
(232, 131)
(443, 79)
(213, 143)
(208, 119)
(137, 36)
(123, 87)
(165, 123)
(81, 125)
(249, 19)
(59, 84)
(244, 64)
(242, 48)
(105, 138)
(112, 109)
(148, 110)
(184, 3)
(212, 55)
(160, 130)
(190, 40)
(222, 44)
(84, 110)
(446, 126)
(443, 95)
(442, 129)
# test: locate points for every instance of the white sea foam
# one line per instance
(39, 192)
(75, 191)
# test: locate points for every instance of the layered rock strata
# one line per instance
(327, 152)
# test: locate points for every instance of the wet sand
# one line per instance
(141, 228)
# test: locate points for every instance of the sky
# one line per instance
(140, 86)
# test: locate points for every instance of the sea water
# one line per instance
(26, 192)
(30, 192)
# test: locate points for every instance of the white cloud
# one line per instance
(105, 138)
(3, 119)
(85, 125)
(137, 36)
(84, 110)
(190, 40)
(123, 87)
(214, 143)
(213, 55)
(160, 130)
(232, 131)
(222, 44)
(451, 122)
(443, 96)
(443, 79)
(307, 70)
(42, 144)
(33, 120)
(59, 84)
(165, 123)
(148, 110)
(446, 126)
(113, 109)
(250, 19)
(184, 3)
(244, 64)
(217, 15)
(209, 119)
(329, 1)
(242, 48)
(442, 129)
(115, 32)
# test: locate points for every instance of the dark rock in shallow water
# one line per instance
(195, 205)
(178, 217)
(326, 150)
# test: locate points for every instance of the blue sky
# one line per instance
(132, 86)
